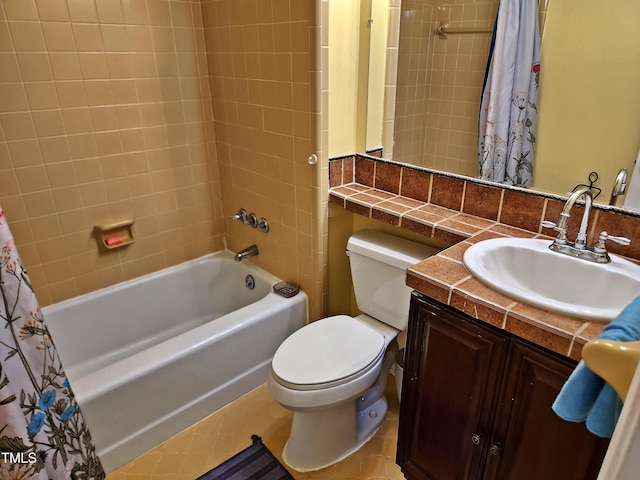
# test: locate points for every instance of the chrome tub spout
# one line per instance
(251, 251)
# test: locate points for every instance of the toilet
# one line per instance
(333, 372)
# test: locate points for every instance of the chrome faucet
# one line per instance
(251, 251)
(562, 224)
(579, 248)
(619, 185)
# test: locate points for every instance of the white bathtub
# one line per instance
(148, 357)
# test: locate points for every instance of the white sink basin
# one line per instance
(526, 270)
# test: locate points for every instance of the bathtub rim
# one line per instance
(112, 376)
(272, 279)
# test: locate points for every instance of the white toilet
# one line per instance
(332, 373)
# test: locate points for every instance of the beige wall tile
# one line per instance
(5, 38)
(58, 37)
(109, 11)
(48, 123)
(61, 174)
(115, 38)
(65, 66)
(13, 97)
(76, 120)
(93, 65)
(54, 149)
(82, 11)
(135, 13)
(71, 93)
(24, 153)
(107, 110)
(261, 102)
(10, 71)
(17, 126)
(66, 198)
(87, 37)
(34, 66)
(99, 93)
(41, 95)
(27, 36)
(159, 12)
(52, 10)
(20, 10)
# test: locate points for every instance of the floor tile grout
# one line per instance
(225, 432)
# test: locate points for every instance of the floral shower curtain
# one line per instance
(42, 432)
(509, 101)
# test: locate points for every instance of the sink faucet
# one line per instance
(579, 248)
(251, 251)
(563, 221)
(619, 185)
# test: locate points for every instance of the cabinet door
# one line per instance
(529, 440)
(449, 390)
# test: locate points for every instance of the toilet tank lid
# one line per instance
(389, 249)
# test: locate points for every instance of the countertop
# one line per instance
(445, 278)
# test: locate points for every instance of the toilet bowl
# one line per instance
(333, 373)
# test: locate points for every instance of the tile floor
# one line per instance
(204, 445)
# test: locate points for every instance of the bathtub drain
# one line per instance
(250, 282)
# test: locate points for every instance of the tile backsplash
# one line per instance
(512, 207)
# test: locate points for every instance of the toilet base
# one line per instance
(323, 437)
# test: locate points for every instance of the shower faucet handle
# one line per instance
(263, 225)
(252, 220)
(241, 215)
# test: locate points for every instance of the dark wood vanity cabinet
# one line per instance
(476, 404)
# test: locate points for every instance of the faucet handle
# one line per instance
(561, 239)
(241, 215)
(601, 247)
(556, 226)
(619, 240)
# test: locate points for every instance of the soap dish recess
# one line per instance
(115, 235)
(286, 289)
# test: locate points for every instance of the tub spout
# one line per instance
(251, 251)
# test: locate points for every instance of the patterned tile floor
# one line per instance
(209, 442)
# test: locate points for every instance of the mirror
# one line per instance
(424, 90)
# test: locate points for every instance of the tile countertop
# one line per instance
(445, 278)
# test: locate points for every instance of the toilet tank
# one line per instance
(378, 271)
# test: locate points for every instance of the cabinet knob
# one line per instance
(476, 439)
(495, 449)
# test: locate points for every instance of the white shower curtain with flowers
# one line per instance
(509, 102)
(42, 432)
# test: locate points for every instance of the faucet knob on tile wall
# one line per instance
(252, 220)
(263, 225)
(241, 215)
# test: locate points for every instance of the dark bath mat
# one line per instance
(255, 462)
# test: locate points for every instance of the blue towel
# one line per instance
(586, 396)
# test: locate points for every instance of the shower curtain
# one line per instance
(42, 432)
(508, 110)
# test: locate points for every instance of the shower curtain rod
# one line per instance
(443, 29)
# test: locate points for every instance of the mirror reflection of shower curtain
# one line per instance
(509, 101)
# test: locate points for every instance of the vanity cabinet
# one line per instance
(476, 404)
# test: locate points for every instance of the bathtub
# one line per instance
(148, 357)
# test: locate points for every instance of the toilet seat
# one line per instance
(327, 353)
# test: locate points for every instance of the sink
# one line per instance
(526, 270)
